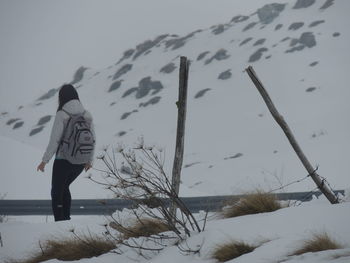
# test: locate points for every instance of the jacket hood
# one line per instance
(73, 107)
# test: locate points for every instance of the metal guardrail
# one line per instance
(108, 206)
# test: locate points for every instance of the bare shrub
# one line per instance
(254, 203)
(70, 249)
(138, 175)
(318, 242)
(230, 250)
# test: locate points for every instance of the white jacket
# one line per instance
(61, 119)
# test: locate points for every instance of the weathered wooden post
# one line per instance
(332, 198)
(180, 134)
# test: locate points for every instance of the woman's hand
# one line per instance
(41, 167)
(87, 166)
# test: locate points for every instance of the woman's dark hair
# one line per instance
(67, 92)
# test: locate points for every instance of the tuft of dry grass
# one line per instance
(318, 242)
(142, 228)
(231, 250)
(254, 203)
(69, 249)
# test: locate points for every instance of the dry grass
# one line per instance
(231, 250)
(69, 249)
(254, 203)
(318, 242)
(142, 228)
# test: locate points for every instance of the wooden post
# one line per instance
(332, 198)
(180, 134)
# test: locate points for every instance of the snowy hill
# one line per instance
(299, 50)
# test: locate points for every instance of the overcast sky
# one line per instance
(43, 42)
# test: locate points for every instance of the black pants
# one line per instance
(63, 174)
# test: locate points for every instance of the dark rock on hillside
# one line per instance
(245, 41)
(4, 113)
(327, 4)
(36, 130)
(18, 125)
(336, 34)
(297, 48)
(295, 26)
(268, 57)
(278, 27)
(293, 42)
(129, 92)
(239, 18)
(48, 95)
(147, 45)
(112, 103)
(225, 75)
(190, 164)
(249, 26)
(202, 55)
(311, 89)
(316, 23)
(11, 121)
(237, 155)
(20, 107)
(126, 170)
(313, 64)
(303, 4)
(127, 54)
(115, 85)
(257, 54)
(269, 12)
(219, 55)
(121, 133)
(180, 41)
(146, 85)
(44, 120)
(308, 39)
(152, 101)
(218, 29)
(127, 114)
(201, 93)
(169, 68)
(78, 76)
(123, 70)
(259, 41)
(285, 39)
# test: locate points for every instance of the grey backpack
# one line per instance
(78, 142)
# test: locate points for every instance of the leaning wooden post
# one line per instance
(180, 134)
(282, 123)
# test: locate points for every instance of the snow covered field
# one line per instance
(278, 233)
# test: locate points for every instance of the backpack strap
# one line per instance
(70, 115)
(61, 140)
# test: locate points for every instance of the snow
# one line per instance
(230, 119)
(277, 234)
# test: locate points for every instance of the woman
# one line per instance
(64, 172)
